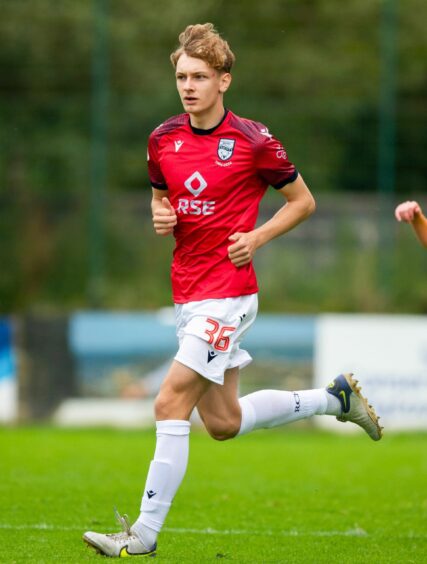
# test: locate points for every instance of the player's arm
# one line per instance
(164, 216)
(299, 205)
(411, 213)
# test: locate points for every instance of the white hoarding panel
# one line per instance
(387, 354)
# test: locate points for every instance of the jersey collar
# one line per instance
(198, 131)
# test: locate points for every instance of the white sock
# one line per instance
(270, 408)
(167, 469)
(334, 405)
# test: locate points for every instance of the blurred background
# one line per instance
(84, 282)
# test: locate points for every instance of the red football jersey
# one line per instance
(216, 179)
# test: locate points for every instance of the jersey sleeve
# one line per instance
(272, 163)
(154, 171)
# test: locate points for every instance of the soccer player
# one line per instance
(209, 170)
(412, 213)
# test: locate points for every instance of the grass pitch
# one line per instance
(273, 496)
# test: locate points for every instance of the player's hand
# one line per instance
(243, 249)
(407, 211)
(164, 218)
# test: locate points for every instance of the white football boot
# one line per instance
(354, 407)
(118, 545)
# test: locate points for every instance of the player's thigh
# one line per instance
(219, 407)
(180, 392)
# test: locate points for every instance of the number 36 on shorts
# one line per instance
(219, 336)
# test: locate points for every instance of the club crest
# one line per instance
(226, 148)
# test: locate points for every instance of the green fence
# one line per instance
(82, 84)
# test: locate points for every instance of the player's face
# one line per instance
(200, 86)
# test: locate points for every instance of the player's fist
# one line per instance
(166, 203)
(164, 217)
(407, 211)
(242, 249)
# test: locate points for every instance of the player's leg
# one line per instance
(226, 416)
(174, 404)
(270, 408)
(178, 395)
(223, 414)
(219, 407)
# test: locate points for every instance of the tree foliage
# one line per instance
(310, 70)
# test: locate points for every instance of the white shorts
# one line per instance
(210, 332)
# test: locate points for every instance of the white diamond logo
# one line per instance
(195, 183)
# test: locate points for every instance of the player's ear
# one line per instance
(224, 82)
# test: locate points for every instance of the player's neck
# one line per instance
(209, 119)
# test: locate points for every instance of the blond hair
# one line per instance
(202, 41)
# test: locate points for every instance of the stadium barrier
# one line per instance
(389, 355)
(46, 366)
(8, 376)
(103, 368)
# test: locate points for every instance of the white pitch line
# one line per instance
(356, 532)
(207, 531)
(271, 533)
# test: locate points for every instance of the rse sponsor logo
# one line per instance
(195, 183)
(195, 207)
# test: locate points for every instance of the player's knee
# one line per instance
(167, 407)
(161, 408)
(172, 406)
(223, 430)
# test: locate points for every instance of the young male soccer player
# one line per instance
(412, 213)
(209, 170)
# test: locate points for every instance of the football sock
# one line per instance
(334, 405)
(270, 408)
(165, 475)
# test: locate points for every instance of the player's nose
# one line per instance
(188, 85)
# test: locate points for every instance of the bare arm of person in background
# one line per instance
(411, 212)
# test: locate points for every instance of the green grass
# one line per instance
(285, 496)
